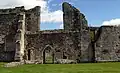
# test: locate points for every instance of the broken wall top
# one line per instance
(12, 10)
(32, 16)
(72, 18)
(18, 10)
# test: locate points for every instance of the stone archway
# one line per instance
(48, 54)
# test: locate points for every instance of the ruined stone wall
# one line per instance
(32, 19)
(12, 10)
(75, 21)
(11, 30)
(7, 36)
(85, 45)
(63, 43)
(72, 18)
(107, 46)
(8, 28)
(39, 41)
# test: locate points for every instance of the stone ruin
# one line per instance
(22, 40)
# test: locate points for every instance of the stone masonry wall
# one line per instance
(32, 16)
(108, 44)
(7, 36)
(8, 29)
(72, 18)
(9, 25)
(74, 42)
(33, 19)
(61, 41)
(76, 21)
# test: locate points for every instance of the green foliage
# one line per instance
(65, 68)
(49, 59)
(92, 35)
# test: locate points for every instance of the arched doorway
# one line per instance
(48, 55)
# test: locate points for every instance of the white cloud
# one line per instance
(50, 1)
(46, 15)
(55, 16)
(27, 3)
(94, 25)
(54, 4)
(113, 22)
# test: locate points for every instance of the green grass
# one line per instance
(64, 68)
(49, 59)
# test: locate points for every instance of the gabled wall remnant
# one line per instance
(72, 18)
(75, 21)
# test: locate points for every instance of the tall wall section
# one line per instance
(107, 44)
(32, 21)
(76, 22)
(13, 28)
(7, 36)
(72, 18)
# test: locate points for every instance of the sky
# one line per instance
(97, 12)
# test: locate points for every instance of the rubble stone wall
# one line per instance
(9, 25)
(107, 46)
(32, 20)
(74, 20)
(63, 43)
(7, 36)
(76, 41)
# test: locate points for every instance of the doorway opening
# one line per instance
(48, 55)
(29, 55)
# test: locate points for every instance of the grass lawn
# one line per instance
(64, 68)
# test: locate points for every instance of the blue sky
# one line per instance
(96, 11)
